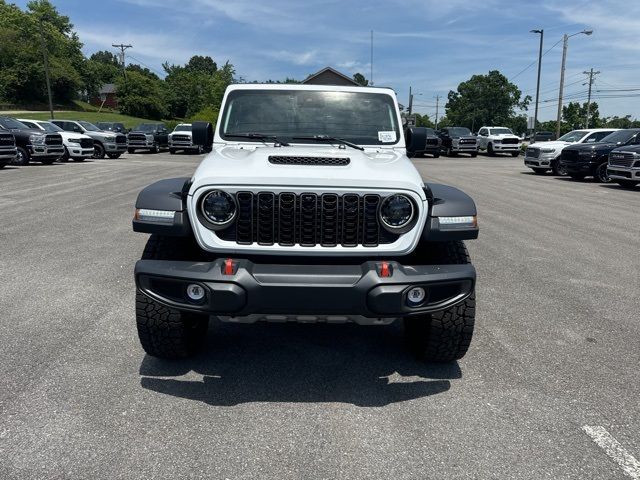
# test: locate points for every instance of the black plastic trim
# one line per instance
(171, 195)
(446, 201)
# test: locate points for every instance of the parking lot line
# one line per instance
(613, 449)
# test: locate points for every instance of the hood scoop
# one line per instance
(298, 160)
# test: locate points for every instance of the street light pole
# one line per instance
(535, 115)
(45, 55)
(562, 67)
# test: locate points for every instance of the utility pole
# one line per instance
(45, 55)
(535, 115)
(565, 40)
(122, 48)
(371, 62)
(437, 105)
(410, 101)
(591, 74)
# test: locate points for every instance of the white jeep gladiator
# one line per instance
(544, 156)
(307, 209)
(498, 140)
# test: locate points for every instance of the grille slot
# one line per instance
(532, 152)
(307, 219)
(7, 140)
(510, 141)
(323, 161)
(181, 138)
(621, 159)
(53, 139)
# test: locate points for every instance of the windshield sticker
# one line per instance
(388, 136)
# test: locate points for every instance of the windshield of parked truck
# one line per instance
(574, 136)
(10, 123)
(621, 136)
(89, 126)
(182, 128)
(362, 118)
(459, 132)
(500, 131)
(50, 127)
(146, 127)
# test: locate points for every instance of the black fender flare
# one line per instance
(170, 195)
(446, 201)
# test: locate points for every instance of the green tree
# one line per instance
(141, 96)
(518, 124)
(360, 79)
(485, 100)
(574, 116)
(423, 121)
(106, 57)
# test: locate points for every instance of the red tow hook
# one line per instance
(385, 270)
(227, 268)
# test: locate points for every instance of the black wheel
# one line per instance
(131, 150)
(515, 154)
(601, 174)
(22, 157)
(490, 150)
(113, 155)
(65, 156)
(450, 153)
(98, 151)
(155, 149)
(474, 154)
(577, 176)
(444, 336)
(558, 168)
(165, 332)
(539, 171)
(172, 151)
(436, 154)
(627, 183)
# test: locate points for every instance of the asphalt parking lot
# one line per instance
(553, 364)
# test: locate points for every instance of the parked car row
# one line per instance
(454, 140)
(606, 154)
(23, 140)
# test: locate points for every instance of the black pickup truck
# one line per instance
(590, 159)
(458, 140)
(33, 145)
(430, 144)
(7, 147)
(148, 136)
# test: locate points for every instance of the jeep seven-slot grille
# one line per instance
(86, 142)
(53, 139)
(6, 139)
(293, 160)
(307, 219)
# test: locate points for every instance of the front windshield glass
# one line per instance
(182, 128)
(10, 123)
(459, 131)
(89, 126)
(501, 131)
(621, 136)
(50, 127)
(359, 117)
(146, 127)
(574, 136)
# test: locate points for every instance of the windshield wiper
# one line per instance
(327, 138)
(257, 136)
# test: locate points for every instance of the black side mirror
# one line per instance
(202, 135)
(416, 138)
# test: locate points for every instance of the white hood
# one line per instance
(249, 165)
(67, 135)
(554, 144)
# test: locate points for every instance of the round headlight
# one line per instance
(396, 211)
(218, 207)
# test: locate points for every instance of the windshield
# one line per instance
(500, 131)
(359, 117)
(89, 126)
(146, 127)
(10, 123)
(182, 128)
(459, 131)
(621, 136)
(574, 136)
(50, 127)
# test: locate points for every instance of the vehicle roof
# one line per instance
(494, 126)
(298, 86)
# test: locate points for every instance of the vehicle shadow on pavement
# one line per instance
(363, 366)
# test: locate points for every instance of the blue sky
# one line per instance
(431, 45)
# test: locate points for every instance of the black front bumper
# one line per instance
(251, 288)
(580, 168)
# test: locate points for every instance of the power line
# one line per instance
(122, 48)
(535, 61)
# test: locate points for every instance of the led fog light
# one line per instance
(416, 296)
(195, 292)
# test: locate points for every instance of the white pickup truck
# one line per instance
(498, 140)
(544, 156)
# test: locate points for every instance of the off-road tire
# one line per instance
(165, 332)
(22, 158)
(444, 336)
(539, 171)
(627, 183)
(98, 151)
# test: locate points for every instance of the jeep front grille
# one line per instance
(307, 219)
(293, 160)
